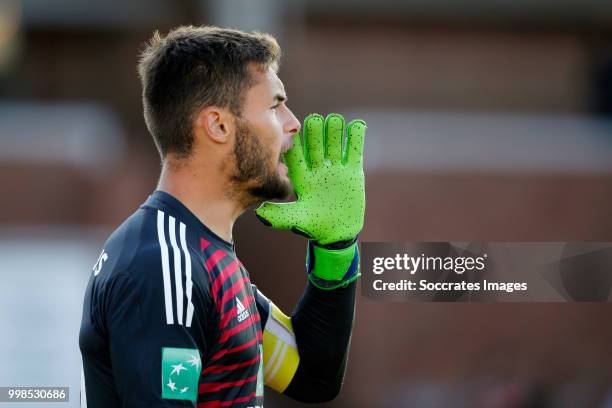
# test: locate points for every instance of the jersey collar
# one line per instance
(164, 201)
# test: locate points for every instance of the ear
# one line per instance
(215, 124)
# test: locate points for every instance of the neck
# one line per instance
(204, 192)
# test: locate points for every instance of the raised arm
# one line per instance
(305, 355)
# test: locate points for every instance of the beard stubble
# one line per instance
(253, 179)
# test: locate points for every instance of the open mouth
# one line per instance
(281, 159)
(282, 165)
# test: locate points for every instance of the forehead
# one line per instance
(266, 82)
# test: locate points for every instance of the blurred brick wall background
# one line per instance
(335, 62)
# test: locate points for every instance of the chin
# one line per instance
(282, 179)
(284, 188)
(282, 170)
(273, 188)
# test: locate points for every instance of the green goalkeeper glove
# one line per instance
(329, 183)
(327, 180)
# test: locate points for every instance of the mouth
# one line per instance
(281, 158)
(286, 148)
(282, 165)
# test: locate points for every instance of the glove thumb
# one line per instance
(278, 215)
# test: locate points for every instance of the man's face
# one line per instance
(263, 135)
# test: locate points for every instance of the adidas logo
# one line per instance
(241, 311)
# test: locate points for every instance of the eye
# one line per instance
(275, 107)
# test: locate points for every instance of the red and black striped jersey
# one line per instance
(170, 317)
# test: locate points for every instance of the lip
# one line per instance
(282, 154)
(287, 146)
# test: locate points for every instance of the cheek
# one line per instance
(269, 130)
(274, 136)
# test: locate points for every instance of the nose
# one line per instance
(292, 125)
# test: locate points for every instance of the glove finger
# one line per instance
(279, 215)
(354, 142)
(296, 162)
(313, 139)
(333, 132)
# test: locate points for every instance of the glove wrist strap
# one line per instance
(332, 268)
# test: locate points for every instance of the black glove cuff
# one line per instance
(339, 244)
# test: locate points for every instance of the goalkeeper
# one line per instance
(170, 317)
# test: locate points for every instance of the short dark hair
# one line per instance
(194, 67)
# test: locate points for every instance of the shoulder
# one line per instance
(152, 250)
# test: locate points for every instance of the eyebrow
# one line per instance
(279, 97)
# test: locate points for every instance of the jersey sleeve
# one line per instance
(156, 356)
